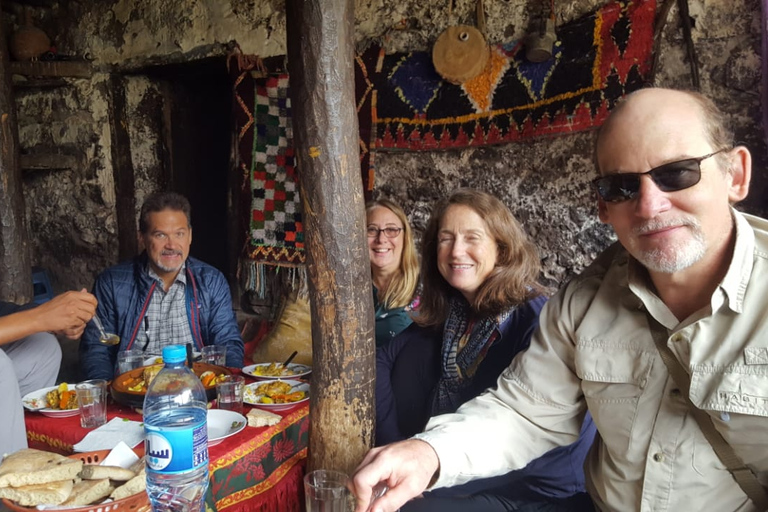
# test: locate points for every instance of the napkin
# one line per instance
(110, 434)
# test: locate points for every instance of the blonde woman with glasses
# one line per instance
(394, 268)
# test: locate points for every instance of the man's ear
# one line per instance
(739, 174)
(140, 238)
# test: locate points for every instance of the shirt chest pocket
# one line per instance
(613, 381)
(736, 398)
(611, 374)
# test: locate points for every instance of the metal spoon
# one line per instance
(105, 337)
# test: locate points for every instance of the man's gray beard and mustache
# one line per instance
(676, 257)
(165, 268)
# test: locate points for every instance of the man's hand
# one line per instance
(406, 468)
(67, 313)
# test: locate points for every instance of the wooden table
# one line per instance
(257, 469)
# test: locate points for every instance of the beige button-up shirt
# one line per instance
(594, 350)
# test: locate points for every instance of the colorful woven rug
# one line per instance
(270, 192)
(598, 59)
(265, 142)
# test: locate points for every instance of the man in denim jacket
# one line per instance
(161, 297)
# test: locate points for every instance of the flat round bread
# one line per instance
(29, 467)
(86, 492)
(52, 493)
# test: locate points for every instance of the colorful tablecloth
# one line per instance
(257, 469)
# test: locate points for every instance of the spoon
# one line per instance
(105, 338)
(290, 358)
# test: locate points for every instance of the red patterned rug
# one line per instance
(598, 59)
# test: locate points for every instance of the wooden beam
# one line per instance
(47, 162)
(122, 164)
(321, 68)
(15, 262)
(60, 68)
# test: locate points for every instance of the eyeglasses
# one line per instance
(670, 177)
(389, 232)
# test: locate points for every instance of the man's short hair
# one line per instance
(160, 201)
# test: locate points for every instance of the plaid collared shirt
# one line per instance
(165, 322)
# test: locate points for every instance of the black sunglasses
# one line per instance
(670, 177)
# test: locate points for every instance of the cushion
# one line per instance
(292, 331)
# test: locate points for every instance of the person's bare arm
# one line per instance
(65, 314)
(406, 468)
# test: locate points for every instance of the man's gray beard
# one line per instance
(168, 269)
(675, 259)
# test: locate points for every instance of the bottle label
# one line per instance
(176, 449)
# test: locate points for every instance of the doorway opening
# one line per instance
(198, 130)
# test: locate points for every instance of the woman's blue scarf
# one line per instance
(466, 341)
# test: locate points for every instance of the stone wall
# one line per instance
(71, 213)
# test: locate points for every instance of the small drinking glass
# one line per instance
(229, 393)
(92, 400)
(326, 490)
(128, 360)
(214, 354)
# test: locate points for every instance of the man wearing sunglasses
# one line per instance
(663, 338)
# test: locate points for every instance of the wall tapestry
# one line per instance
(270, 195)
(598, 59)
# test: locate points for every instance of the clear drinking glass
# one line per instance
(92, 400)
(214, 354)
(326, 491)
(229, 393)
(128, 360)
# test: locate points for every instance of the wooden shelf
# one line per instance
(39, 83)
(62, 68)
(47, 162)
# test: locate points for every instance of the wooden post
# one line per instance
(122, 170)
(15, 266)
(325, 131)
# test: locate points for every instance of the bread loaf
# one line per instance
(86, 492)
(261, 418)
(53, 493)
(30, 467)
(131, 487)
(98, 472)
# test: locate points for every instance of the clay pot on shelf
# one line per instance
(28, 42)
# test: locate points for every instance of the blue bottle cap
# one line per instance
(174, 353)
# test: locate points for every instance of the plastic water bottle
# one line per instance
(175, 413)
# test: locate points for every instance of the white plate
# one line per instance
(35, 401)
(222, 424)
(296, 371)
(250, 395)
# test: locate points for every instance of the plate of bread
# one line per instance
(56, 401)
(29, 478)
